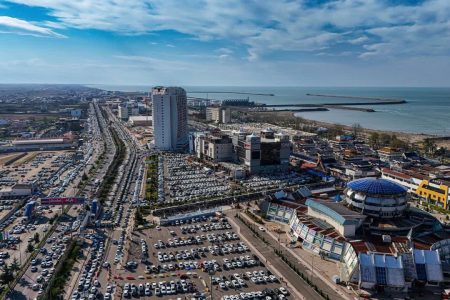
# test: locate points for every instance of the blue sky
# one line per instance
(207, 42)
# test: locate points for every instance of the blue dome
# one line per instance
(376, 186)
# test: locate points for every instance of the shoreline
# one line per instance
(411, 137)
(289, 116)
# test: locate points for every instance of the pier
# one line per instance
(305, 107)
(350, 108)
(231, 92)
(354, 97)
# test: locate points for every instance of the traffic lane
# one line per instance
(30, 278)
(281, 266)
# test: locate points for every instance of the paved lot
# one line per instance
(195, 273)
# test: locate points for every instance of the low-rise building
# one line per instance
(389, 154)
(435, 191)
(140, 120)
(218, 114)
(16, 191)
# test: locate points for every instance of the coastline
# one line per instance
(413, 138)
(289, 117)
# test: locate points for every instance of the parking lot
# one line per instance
(185, 259)
(263, 182)
(185, 179)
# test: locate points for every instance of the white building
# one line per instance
(170, 126)
(123, 112)
(140, 120)
(18, 190)
(226, 115)
(128, 109)
(218, 114)
(217, 148)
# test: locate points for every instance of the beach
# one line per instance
(288, 117)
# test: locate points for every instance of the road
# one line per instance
(23, 289)
(282, 267)
(126, 192)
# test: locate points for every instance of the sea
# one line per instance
(427, 110)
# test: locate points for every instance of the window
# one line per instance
(380, 274)
(421, 272)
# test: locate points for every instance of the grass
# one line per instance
(112, 171)
(57, 284)
(151, 182)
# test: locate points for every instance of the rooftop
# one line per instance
(376, 186)
(335, 210)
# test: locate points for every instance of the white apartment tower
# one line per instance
(170, 128)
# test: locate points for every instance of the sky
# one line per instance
(233, 42)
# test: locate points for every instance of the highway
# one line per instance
(24, 288)
(125, 193)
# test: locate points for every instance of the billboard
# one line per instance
(63, 201)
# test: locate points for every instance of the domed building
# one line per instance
(375, 197)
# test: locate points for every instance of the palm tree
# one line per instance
(429, 146)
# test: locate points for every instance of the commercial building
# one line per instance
(343, 220)
(377, 240)
(67, 141)
(140, 120)
(214, 147)
(375, 197)
(265, 154)
(389, 154)
(128, 109)
(435, 191)
(428, 183)
(218, 114)
(170, 128)
(409, 181)
(16, 191)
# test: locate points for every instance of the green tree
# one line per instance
(385, 139)
(84, 177)
(356, 130)
(374, 140)
(36, 237)
(15, 266)
(7, 275)
(441, 152)
(429, 146)
(30, 248)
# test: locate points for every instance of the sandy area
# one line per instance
(288, 117)
(25, 159)
(6, 157)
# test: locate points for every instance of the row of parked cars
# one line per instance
(266, 294)
(204, 227)
(258, 183)
(160, 288)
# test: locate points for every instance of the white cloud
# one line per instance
(360, 40)
(157, 63)
(14, 25)
(224, 50)
(263, 27)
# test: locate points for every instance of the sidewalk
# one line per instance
(268, 263)
(307, 259)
